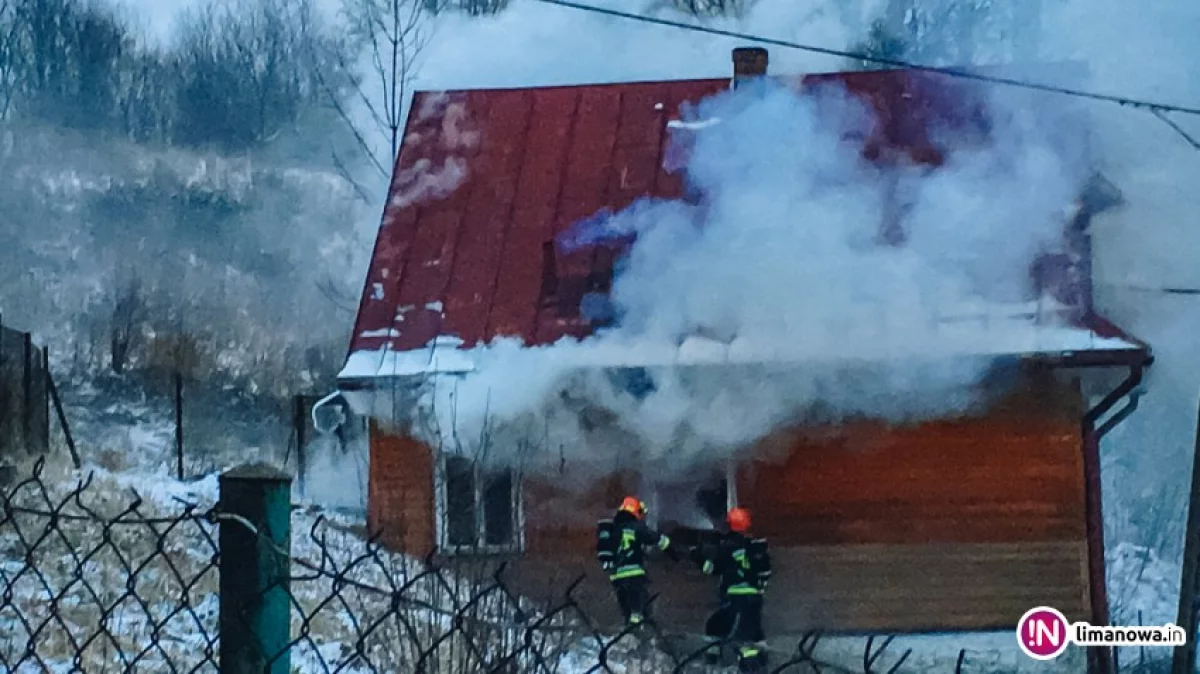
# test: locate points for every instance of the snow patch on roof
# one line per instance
(424, 181)
(392, 332)
(443, 355)
(693, 126)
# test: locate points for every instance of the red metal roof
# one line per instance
(466, 258)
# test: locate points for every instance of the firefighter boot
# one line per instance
(752, 659)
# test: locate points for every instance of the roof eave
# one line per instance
(1094, 358)
(1089, 358)
(1104, 327)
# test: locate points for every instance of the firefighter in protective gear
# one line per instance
(743, 565)
(620, 547)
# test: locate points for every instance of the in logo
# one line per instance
(1042, 633)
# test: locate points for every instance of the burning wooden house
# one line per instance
(958, 523)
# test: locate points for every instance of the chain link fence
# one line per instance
(228, 576)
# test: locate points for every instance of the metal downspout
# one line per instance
(1125, 388)
(319, 404)
(1101, 660)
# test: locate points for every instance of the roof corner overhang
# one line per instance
(1140, 355)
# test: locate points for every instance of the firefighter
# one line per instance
(743, 564)
(620, 547)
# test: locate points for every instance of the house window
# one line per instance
(479, 508)
(698, 501)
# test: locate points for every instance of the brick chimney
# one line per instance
(748, 63)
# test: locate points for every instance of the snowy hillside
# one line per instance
(230, 253)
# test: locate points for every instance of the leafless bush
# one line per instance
(714, 8)
(128, 313)
(178, 352)
(469, 7)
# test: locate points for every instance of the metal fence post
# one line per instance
(5, 399)
(44, 419)
(27, 392)
(300, 421)
(255, 614)
(178, 425)
(62, 420)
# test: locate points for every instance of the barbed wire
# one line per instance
(94, 577)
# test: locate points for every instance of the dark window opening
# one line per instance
(713, 499)
(498, 515)
(480, 506)
(460, 501)
(696, 503)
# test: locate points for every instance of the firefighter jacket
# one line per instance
(621, 543)
(743, 564)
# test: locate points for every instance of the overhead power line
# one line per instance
(896, 63)
(1178, 129)
(1148, 289)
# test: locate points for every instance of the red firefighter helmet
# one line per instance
(739, 520)
(634, 506)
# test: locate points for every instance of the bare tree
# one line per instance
(60, 59)
(127, 315)
(390, 33)
(896, 16)
(242, 75)
(941, 32)
(713, 8)
(146, 96)
(9, 54)
(471, 7)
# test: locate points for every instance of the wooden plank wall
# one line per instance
(400, 492)
(961, 524)
(979, 481)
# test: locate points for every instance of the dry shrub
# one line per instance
(180, 352)
(112, 460)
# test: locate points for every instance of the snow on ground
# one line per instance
(121, 425)
(988, 652)
(153, 567)
(128, 568)
(169, 589)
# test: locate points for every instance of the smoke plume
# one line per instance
(781, 263)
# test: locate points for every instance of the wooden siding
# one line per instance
(854, 588)
(1013, 475)
(957, 524)
(563, 516)
(974, 482)
(400, 500)
(951, 525)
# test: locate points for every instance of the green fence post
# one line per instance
(255, 618)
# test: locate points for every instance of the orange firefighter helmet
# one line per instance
(739, 520)
(634, 506)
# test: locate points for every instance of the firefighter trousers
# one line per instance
(633, 595)
(739, 619)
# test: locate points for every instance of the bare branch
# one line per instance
(8, 55)
(344, 172)
(336, 298)
(390, 32)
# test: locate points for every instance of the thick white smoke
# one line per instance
(782, 259)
